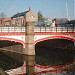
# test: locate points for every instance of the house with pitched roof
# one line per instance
(5, 21)
(20, 19)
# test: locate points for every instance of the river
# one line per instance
(44, 56)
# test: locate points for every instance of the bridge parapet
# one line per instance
(38, 29)
(54, 29)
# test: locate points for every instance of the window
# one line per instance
(31, 16)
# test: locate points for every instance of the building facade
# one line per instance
(5, 21)
(20, 19)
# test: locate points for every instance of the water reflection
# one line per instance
(52, 57)
(56, 57)
(6, 62)
(64, 73)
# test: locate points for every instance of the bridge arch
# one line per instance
(12, 39)
(52, 47)
(55, 37)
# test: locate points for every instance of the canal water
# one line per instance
(7, 63)
(44, 56)
(54, 57)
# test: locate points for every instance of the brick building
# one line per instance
(5, 21)
(20, 19)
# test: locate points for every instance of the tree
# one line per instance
(40, 16)
(2, 15)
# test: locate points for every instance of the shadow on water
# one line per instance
(45, 55)
(6, 62)
(54, 52)
(56, 57)
(53, 56)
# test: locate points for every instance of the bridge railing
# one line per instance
(12, 29)
(54, 29)
(38, 29)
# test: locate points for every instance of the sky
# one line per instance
(48, 8)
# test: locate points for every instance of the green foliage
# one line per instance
(40, 16)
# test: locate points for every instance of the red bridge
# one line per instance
(17, 34)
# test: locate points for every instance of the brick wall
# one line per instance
(31, 16)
